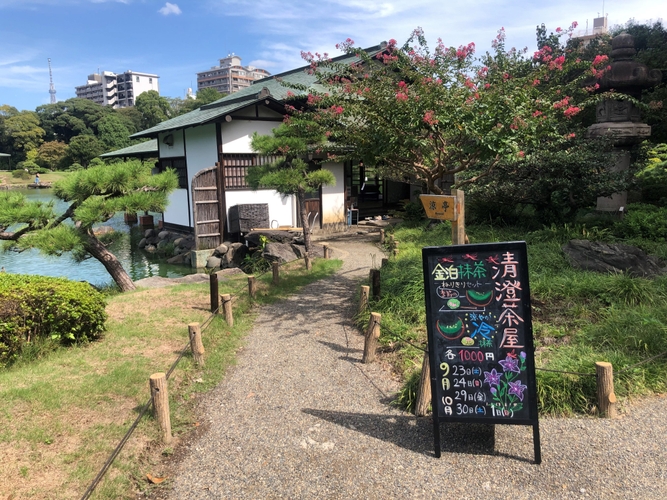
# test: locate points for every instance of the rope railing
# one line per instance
(119, 447)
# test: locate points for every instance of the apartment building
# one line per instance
(230, 76)
(118, 90)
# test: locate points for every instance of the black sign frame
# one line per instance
(504, 299)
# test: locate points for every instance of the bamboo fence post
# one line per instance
(458, 226)
(363, 300)
(213, 285)
(276, 272)
(375, 282)
(371, 341)
(381, 236)
(309, 264)
(227, 307)
(252, 286)
(424, 390)
(160, 398)
(196, 344)
(604, 373)
(327, 252)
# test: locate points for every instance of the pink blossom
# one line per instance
(521, 154)
(536, 82)
(571, 136)
(487, 85)
(562, 103)
(400, 96)
(559, 29)
(290, 93)
(571, 111)
(537, 113)
(574, 24)
(402, 84)
(600, 59)
(429, 118)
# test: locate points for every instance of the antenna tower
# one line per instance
(52, 88)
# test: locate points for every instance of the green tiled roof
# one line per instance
(268, 88)
(142, 149)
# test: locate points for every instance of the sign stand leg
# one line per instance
(536, 443)
(436, 435)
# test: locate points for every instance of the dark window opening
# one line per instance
(179, 166)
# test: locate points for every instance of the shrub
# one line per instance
(37, 308)
(643, 221)
(21, 174)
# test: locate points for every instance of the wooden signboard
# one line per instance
(480, 336)
(441, 207)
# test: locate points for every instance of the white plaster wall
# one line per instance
(177, 211)
(280, 209)
(176, 149)
(201, 149)
(333, 197)
(236, 135)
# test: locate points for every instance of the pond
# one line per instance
(136, 262)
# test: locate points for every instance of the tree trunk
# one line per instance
(113, 266)
(301, 199)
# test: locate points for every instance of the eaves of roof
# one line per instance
(142, 149)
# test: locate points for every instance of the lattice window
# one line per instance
(236, 168)
(179, 165)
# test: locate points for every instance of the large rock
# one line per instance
(238, 251)
(611, 258)
(279, 252)
(212, 262)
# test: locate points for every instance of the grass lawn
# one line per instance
(7, 178)
(61, 416)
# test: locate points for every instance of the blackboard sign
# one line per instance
(480, 336)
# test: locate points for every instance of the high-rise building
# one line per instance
(230, 76)
(117, 90)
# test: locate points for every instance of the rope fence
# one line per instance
(150, 403)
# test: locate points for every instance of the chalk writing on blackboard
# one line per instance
(480, 333)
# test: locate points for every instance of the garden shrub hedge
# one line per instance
(34, 308)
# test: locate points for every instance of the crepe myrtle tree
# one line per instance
(419, 113)
(94, 196)
(290, 173)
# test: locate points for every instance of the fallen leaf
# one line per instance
(250, 395)
(155, 480)
(196, 424)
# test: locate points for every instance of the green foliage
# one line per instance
(411, 212)
(38, 307)
(84, 148)
(652, 179)
(643, 221)
(21, 174)
(24, 130)
(51, 154)
(406, 398)
(153, 107)
(113, 133)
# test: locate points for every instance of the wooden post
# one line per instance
(276, 272)
(252, 286)
(327, 252)
(363, 302)
(604, 373)
(381, 236)
(160, 397)
(394, 252)
(459, 225)
(196, 344)
(309, 264)
(385, 261)
(372, 336)
(424, 390)
(227, 306)
(213, 285)
(392, 241)
(375, 283)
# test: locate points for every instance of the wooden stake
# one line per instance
(363, 301)
(424, 390)
(252, 286)
(381, 236)
(160, 397)
(276, 272)
(309, 264)
(372, 336)
(459, 225)
(604, 373)
(213, 285)
(385, 261)
(327, 252)
(375, 283)
(196, 344)
(227, 306)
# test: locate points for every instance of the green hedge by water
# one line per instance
(39, 309)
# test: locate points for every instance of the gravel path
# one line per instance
(301, 417)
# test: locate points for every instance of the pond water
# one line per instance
(137, 263)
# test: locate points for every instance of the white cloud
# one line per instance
(170, 8)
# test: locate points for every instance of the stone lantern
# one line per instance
(618, 118)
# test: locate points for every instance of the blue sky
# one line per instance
(176, 39)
